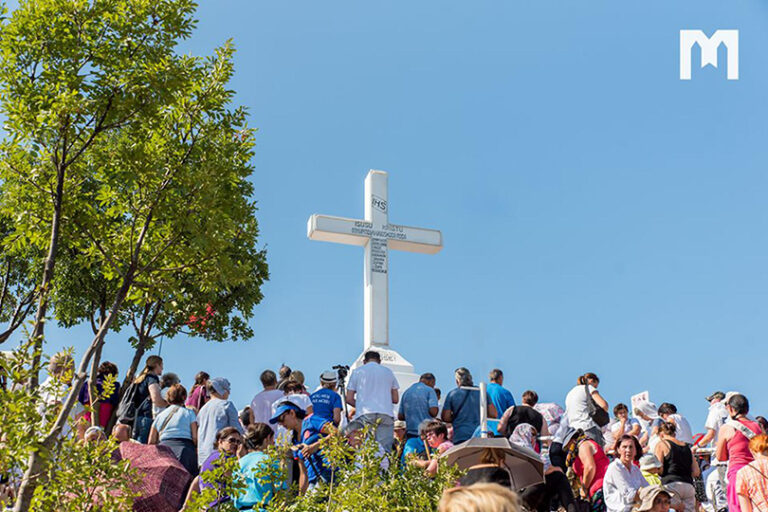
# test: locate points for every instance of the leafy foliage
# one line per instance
(80, 476)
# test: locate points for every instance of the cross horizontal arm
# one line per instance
(326, 228)
(357, 232)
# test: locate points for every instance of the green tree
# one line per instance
(18, 289)
(132, 164)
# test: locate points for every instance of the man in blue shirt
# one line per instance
(419, 403)
(326, 402)
(501, 398)
(462, 407)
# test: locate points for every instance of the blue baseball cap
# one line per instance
(285, 407)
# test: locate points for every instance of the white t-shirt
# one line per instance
(261, 405)
(373, 385)
(716, 418)
(576, 408)
(683, 428)
(612, 433)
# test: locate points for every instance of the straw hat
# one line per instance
(646, 495)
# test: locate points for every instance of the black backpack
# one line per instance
(129, 404)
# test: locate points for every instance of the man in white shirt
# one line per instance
(261, 405)
(716, 418)
(372, 391)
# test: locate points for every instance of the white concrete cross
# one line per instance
(377, 235)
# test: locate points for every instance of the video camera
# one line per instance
(342, 370)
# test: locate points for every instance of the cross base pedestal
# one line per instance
(403, 370)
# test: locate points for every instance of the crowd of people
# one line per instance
(643, 458)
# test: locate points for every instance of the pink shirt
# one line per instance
(738, 446)
(601, 465)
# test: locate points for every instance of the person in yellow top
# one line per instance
(651, 468)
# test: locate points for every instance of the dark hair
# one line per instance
(176, 394)
(437, 427)
(530, 398)
(739, 404)
(150, 364)
(635, 442)
(256, 434)
(429, 377)
(106, 368)
(293, 386)
(584, 379)
(372, 355)
(762, 422)
(438, 393)
(223, 434)
(619, 408)
(245, 416)
(667, 408)
(169, 379)
(200, 380)
(494, 374)
(284, 371)
(667, 427)
(268, 378)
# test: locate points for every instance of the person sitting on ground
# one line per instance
(436, 436)
(502, 399)
(679, 465)
(372, 391)
(482, 497)
(623, 479)
(524, 414)
(258, 492)
(462, 407)
(651, 468)
(198, 395)
(622, 424)
(261, 405)
(326, 402)
(225, 446)
(668, 412)
(490, 469)
(556, 491)
(176, 428)
(419, 403)
(654, 498)
(589, 463)
(215, 415)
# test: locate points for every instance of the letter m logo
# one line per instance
(709, 46)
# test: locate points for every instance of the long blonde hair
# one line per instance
(482, 497)
(150, 365)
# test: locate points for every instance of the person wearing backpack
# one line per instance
(136, 406)
(176, 428)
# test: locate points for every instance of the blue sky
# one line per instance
(598, 213)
